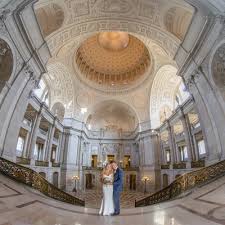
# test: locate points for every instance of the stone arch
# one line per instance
(163, 92)
(177, 21)
(58, 110)
(112, 115)
(60, 81)
(55, 179)
(6, 63)
(43, 174)
(218, 68)
(165, 180)
(50, 18)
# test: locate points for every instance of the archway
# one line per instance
(112, 115)
(6, 63)
(165, 180)
(163, 92)
(55, 179)
(58, 110)
(43, 174)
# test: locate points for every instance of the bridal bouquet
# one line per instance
(107, 180)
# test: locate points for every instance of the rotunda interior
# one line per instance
(136, 82)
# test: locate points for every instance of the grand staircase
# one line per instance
(184, 183)
(178, 187)
(33, 179)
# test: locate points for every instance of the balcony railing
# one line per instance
(43, 132)
(55, 164)
(165, 167)
(33, 179)
(91, 168)
(23, 161)
(183, 183)
(131, 169)
(198, 164)
(179, 166)
(41, 163)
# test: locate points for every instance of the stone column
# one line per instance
(48, 152)
(100, 159)
(172, 144)
(59, 148)
(33, 136)
(25, 148)
(211, 114)
(188, 136)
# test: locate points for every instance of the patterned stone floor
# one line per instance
(93, 198)
(20, 205)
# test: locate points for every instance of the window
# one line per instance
(183, 153)
(126, 161)
(39, 92)
(39, 151)
(42, 92)
(94, 161)
(201, 147)
(53, 156)
(20, 146)
(168, 156)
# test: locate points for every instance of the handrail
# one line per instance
(183, 183)
(33, 179)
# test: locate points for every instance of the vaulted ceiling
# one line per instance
(105, 50)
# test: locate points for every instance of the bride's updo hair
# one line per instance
(107, 169)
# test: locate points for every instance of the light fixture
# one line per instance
(145, 179)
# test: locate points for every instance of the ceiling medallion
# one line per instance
(113, 41)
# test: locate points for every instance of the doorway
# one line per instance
(94, 161)
(165, 180)
(89, 184)
(132, 182)
(110, 158)
(56, 179)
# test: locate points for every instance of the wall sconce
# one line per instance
(75, 178)
(145, 179)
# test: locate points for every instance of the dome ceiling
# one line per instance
(112, 59)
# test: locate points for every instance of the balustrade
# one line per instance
(41, 163)
(33, 179)
(23, 161)
(183, 183)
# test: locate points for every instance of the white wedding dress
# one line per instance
(107, 205)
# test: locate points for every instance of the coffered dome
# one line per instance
(112, 59)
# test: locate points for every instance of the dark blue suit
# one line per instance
(117, 189)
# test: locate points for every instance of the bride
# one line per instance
(107, 206)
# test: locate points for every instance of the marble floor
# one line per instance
(20, 205)
(93, 198)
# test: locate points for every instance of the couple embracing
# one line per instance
(112, 180)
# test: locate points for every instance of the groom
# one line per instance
(117, 187)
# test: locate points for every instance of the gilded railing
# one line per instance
(33, 179)
(165, 167)
(198, 164)
(41, 163)
(24, 161)
(179, 166)
(184, 183)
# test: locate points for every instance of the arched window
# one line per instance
(42, 92)
(182, 95)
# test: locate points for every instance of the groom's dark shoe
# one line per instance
(115, 214)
